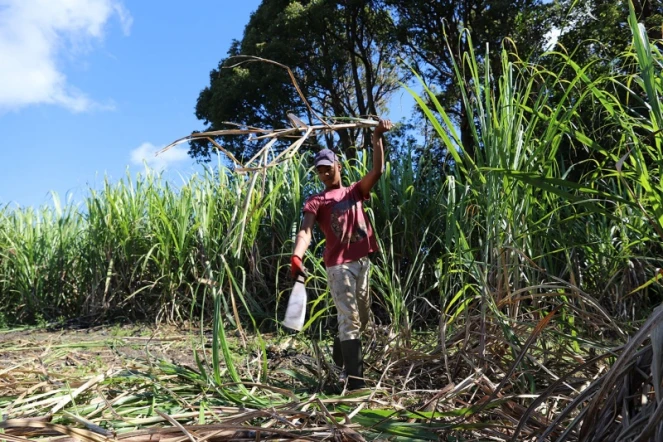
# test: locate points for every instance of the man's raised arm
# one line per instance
(373, 175)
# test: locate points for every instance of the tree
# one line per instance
(597, 30)
(425, 28)
(341, 52)
(604, 23)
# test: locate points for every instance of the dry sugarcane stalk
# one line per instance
(298, 127)
(259, 161)
(253, 58)
(70, 397)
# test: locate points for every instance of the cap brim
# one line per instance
(324, 162)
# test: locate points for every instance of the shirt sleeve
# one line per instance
(356, 194)
(312, 205)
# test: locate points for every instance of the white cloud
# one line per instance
(35, 34)
(145, 153)
(126, 20)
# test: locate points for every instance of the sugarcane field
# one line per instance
(392, 221)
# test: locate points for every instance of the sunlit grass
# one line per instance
(503, 290)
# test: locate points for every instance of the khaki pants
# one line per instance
(348, 284)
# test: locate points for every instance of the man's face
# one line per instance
(330, 175)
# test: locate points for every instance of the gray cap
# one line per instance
(325, 157)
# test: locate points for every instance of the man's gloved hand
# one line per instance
(296, 266)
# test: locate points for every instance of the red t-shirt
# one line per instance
(348, 232)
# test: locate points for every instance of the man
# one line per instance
(349, 239)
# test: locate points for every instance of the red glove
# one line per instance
(296, 266)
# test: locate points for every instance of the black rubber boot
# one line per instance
(354, 363)
(337, 353)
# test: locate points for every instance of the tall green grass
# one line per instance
(500, 231)
(143, 248)
(502, 234)
(518, 271)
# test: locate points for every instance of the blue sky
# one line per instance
(89, 88)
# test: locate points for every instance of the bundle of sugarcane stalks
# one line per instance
(262, 160)
(300, 130)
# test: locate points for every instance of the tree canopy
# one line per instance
(343, 55)
(349, 56)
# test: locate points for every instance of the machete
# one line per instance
(296, 311)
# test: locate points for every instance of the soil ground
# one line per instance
(36, 354)
(43, 370)
(30, 356)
